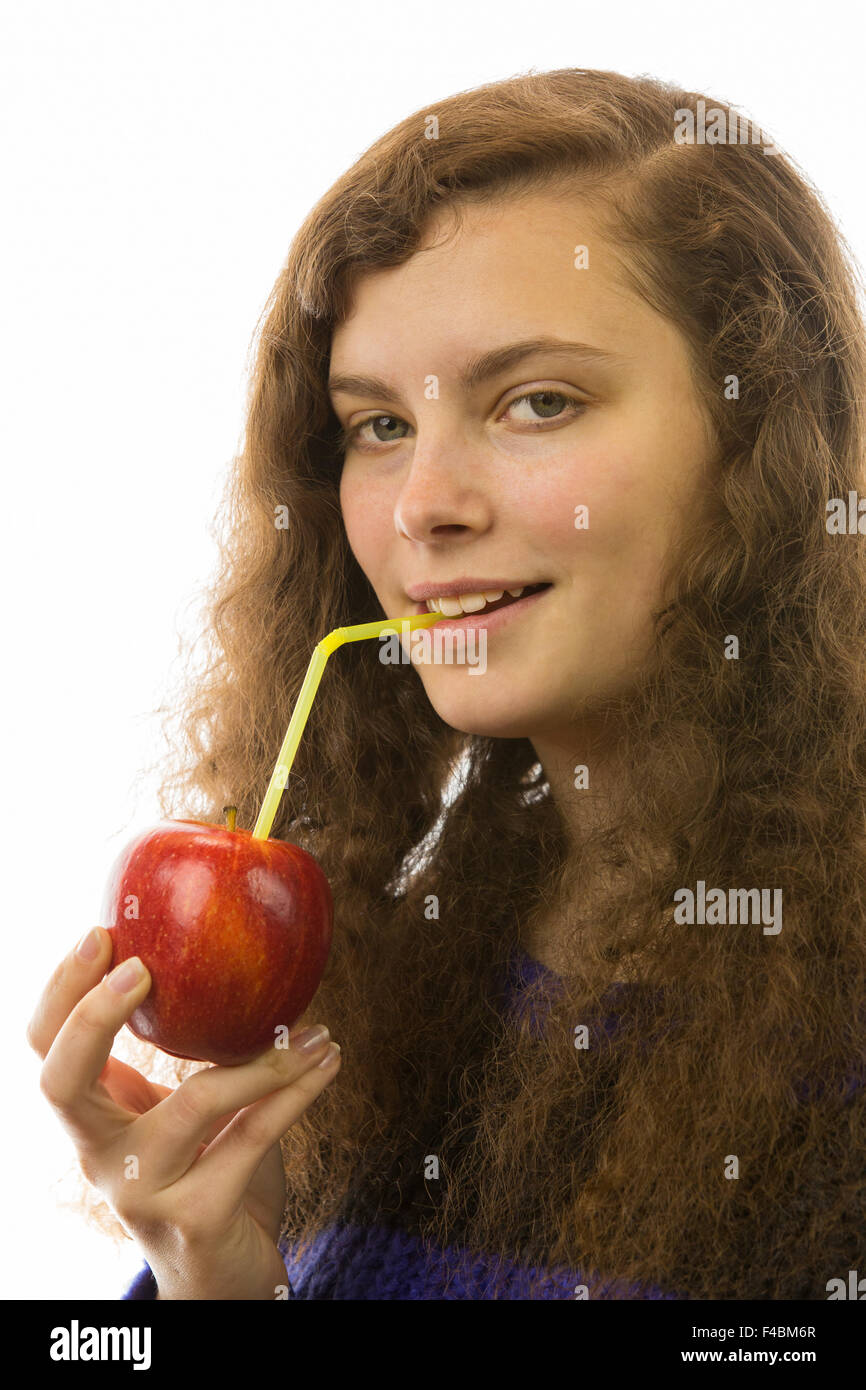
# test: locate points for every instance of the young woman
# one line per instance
(600, 937)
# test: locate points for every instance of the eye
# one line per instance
(550, 405)
(351, 436)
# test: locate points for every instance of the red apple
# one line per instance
(235, 932)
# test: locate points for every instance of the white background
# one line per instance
(157, 159)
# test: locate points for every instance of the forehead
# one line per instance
(521, 267)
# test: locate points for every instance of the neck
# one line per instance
(580, 766)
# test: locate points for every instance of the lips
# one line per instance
(505, 601)
(494, 615)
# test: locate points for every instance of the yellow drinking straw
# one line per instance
(300, 714)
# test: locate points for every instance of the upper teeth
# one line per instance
(467, 603)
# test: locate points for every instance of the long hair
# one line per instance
(712, 1141)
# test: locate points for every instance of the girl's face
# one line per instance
(457, 474)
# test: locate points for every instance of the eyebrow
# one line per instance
(482, 368)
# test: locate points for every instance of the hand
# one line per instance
(205, 1194)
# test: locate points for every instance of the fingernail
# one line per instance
(330, 1056)
(309, 1038)
(127, 975)
(88, 946)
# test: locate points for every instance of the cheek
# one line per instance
(592, 505)
(365, 519)
(612, 560)
(634, 502)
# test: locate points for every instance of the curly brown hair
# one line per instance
(610, 1159)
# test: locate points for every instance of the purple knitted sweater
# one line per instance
(350, 1260)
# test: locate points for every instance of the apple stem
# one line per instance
(230, 813)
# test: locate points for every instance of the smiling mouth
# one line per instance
(505, 602)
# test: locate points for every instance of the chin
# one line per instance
(475, 716)
(486, 729)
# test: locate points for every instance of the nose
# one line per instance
(443, 493)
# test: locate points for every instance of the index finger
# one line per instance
(78, 1054)
(74, 976)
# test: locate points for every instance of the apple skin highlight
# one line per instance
(235, 932)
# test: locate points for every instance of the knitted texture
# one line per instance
(352, 1260)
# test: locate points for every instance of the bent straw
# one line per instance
(300, 714)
